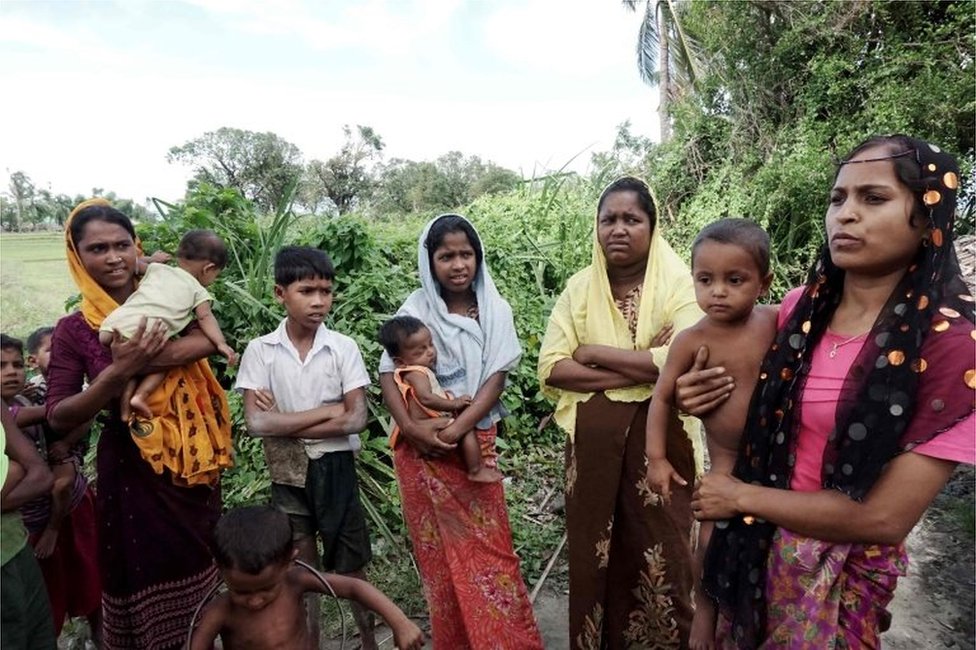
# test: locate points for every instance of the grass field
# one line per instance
(34, 281)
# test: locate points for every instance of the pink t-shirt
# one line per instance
(819, 400)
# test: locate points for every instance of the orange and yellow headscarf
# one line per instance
(96, 304)
(189, 434)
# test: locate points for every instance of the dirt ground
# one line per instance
(934, 604)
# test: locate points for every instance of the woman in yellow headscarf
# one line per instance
(155, 514)
(630, 573)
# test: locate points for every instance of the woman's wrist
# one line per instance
(742, 500)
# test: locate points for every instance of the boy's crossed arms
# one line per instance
(326, 421)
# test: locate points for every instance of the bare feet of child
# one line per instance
(485, 475)
(46, 543)
(140, 408)
(703, 625)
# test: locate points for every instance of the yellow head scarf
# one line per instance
(587, 313)
(96, 304)
(189, 434)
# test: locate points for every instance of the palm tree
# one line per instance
(667, 57)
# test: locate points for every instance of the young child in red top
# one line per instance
(409, 343)
(61, 524)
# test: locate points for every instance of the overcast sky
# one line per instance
(96, 92)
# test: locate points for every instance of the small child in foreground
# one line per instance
(263, 607)
(730, 267)
(173, 295)
(409, 343)
(61, 524)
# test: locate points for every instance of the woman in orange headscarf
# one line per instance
(155, 517)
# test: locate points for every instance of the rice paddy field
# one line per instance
(34, 281)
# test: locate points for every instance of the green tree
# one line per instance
(264, 167)
(788, 86)
(22, 192)
(451, 181)
(343, 180)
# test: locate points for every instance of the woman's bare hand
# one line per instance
(130, 357)
(664, 336)
(715, 497)
(423, 436)
(700, 390)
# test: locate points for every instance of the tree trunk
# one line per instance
(664, 71)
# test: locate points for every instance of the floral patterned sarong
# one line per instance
(630, 572)
(827, 596)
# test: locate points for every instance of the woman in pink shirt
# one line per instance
(863, 408)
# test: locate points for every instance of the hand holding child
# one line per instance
(58, 451)
(660, 473)
(132, 355)
(407, 636)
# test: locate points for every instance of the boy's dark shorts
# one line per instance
(330, 505)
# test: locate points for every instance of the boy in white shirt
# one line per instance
(304, 389)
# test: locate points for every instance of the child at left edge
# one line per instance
(730, 269)
(304, 388)
(255, 552)
(60, 524)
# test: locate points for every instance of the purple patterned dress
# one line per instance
(154, 553)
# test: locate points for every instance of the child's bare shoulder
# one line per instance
(766, 318)
(415, 376)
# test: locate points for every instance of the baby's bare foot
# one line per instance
(485, 475)
(140, 407)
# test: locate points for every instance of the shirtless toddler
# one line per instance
(730, 267)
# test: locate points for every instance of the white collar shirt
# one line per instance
(333, 367)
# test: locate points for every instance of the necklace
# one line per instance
(833, 350)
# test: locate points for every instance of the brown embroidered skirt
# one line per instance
(630, 560)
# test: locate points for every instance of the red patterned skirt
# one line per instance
(463, 544)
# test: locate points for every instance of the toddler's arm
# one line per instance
(208, 323)
(406, 634)
(263, 418)
(210, 624)
(64, 480)
(426, 396)
(60, 449)
(660, 473)
(28, 415)
(35, 480)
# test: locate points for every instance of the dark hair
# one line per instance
(99, 213)
(444, 226)
(900, 150)
(639, 187)
(251, 538)
(743, 233)
(203, 245)
(395, 330)
(35, 338)
(294, 263)
(10, 343)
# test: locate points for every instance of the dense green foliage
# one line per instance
(789, 86)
